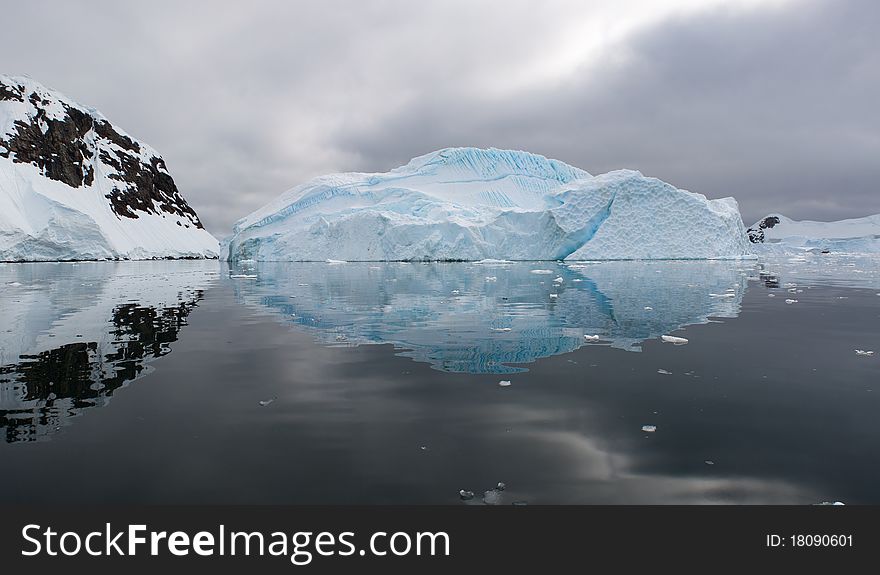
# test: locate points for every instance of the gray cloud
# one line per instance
(773, 105)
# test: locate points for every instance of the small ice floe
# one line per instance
(726, 294)
(302, 285)
(491, 278)
(329, 261)
(709, 462)
(14, 284)
(243, 276)
(423, 447)
(491, 261)
(341, 337)
(266, 402)
(591, 337)
(580, 280)
(492, 497)
(648, 308)
(466, 495)
(791, 301)
(542, 272)
(771, 295)
(664, 372)
(558, 280)
(554, 295)
(501, 486)
(455, 292)
(864, 352)
(831, 503)
(504, 383)
(673, 339)
(501, 329)
(649, 428)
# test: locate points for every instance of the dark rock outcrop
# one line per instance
(71, 147)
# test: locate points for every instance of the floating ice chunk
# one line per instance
(591, 337)
(771, 295)
(501, 486)
(722, 294)
(542, 272)
(329, 261)
(554, 295)
(501, 329)
(864, 352)
(709, 462)
(791, 301)
(491, 278)
(466, 495)
(648, 308)
(504, 383)
(831, 503)
(558, 280)
(342, 337)
(491, 261)
(492, 497)
(455, 292)
(649, 428)
(243, 276)
(664, 372)
(14, 284)
(266, 402)
(673, 339)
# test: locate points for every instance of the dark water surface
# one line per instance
(188, 382)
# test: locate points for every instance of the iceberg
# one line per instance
(75, 187)
(487, 204)
(777, 234)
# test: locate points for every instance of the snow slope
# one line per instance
(779, 234)
(474, 204)
(73, 186)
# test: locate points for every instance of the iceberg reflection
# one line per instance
(74, 333)
(487, 317)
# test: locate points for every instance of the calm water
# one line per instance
(190, 382)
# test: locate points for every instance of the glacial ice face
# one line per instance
(75, 187)
(492, 317)
(474, 204)
(75, 333)
(777, 234)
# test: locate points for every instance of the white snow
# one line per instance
(44, 220)
(857, 235)
(484, 205)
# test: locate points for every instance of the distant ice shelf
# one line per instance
(487, 204)
(777, 234)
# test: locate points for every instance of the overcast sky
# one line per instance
(774, 102)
